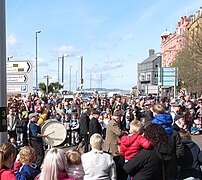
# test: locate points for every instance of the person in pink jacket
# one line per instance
(131, 145)
(7, 155)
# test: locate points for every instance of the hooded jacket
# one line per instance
(166, 121)
(190, 162)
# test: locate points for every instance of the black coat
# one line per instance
(84, 124)
(146, 165)
(21, 126)
(94, 127)
(190, 162)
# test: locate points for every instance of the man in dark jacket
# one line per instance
(94, 125)
(84, 127)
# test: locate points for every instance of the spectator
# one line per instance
(11, 123)
(97, 164)
(163, 119)
(7, 156)
(194, 129)
(190, 162)
(54, 166)
(24, 163)
(21, 130)
(132, 144)
(152, 163)
(74, 166)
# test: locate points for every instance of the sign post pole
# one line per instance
(3, 93)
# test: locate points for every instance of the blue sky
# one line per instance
(111, 35)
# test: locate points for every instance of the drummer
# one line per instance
(35, 137)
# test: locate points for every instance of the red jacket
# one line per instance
(131, 145)
(7, 174)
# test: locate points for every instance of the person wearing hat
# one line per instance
(175, 110)
(94, 125)
(179, 123)
(84, 127)
(113, 134)
(35, 138)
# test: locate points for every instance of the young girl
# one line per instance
(74, 168)
(7, 155)
(24, 164)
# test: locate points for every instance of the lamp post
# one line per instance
(76, 79)
(70, 74)
(63, 58)
(9, 57)
(59, 72)
(37, 32)
(81, 84)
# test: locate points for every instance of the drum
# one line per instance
(56, 132)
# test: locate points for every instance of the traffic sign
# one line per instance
(17, 78)
(17, 88)
(18, 66)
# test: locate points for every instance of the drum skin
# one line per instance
(56, 132)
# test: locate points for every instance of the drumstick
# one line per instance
(50, 133)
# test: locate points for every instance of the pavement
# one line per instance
(198, 140)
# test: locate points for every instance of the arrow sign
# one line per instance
(15, 78)
(18, 66)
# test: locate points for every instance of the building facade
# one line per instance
(148, 71)
(173, 42)
(195, 30)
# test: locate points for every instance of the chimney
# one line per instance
(151, 52)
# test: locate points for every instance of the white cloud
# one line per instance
(12, 40)
(128, 37)
(67, 49)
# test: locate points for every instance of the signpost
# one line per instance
(168, 77)
(19, 77)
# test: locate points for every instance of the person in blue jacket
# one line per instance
(160, 117)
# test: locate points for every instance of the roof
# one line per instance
(151, 58)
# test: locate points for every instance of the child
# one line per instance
(74, 129)
(131, 145)
(24, 164)
(74, 168)
(194, 129)
(21, 130)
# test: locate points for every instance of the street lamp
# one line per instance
(59, 72)
(76, 79)
(81, 84)
(70, 74)
(63, 58)
(37, 32)
(9, 57)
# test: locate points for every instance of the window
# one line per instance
(180, 42)
(148, 77)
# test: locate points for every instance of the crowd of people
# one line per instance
(111, 138)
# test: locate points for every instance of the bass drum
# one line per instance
(56, 132)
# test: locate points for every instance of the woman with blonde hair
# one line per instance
(7, 155)
(54, 166)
